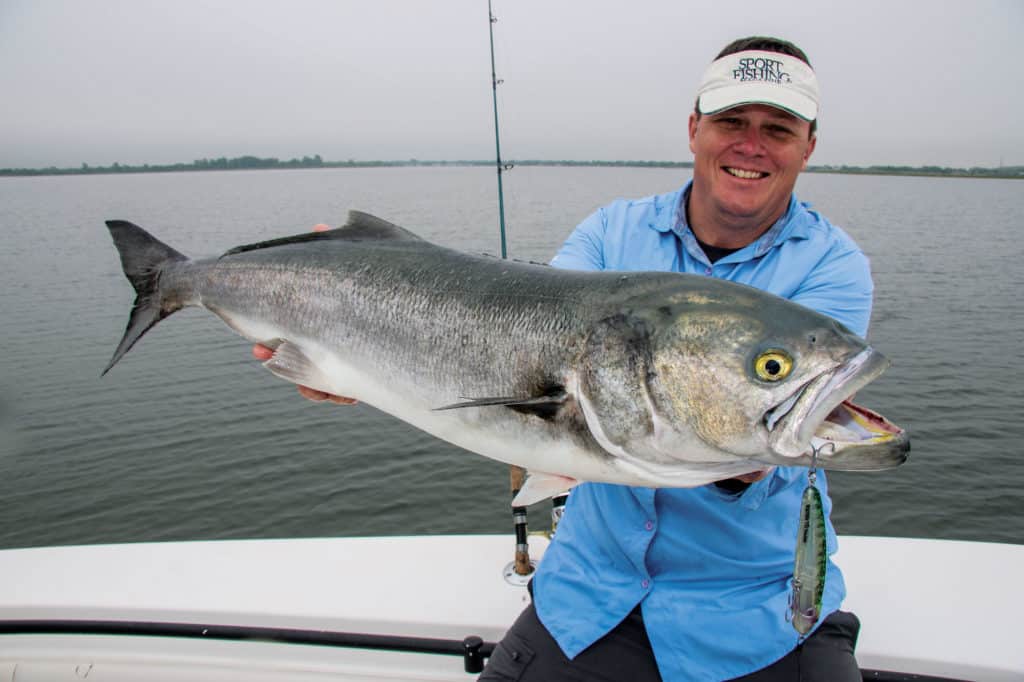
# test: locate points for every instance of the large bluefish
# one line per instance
(652, 379)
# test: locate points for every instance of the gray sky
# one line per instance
(145, 81)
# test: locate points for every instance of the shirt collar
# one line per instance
(671, 216)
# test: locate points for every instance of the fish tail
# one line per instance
(144, 258)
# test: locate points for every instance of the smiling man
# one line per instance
(694, 584)
(747, 159)
(748, 153)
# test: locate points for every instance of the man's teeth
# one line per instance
(745, 174)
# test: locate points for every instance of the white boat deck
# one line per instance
(928, 607)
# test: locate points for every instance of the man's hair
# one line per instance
(765, 44)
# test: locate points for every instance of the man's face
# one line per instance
(746, 161)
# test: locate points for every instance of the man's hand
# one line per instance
(755, 476)
(263, 353)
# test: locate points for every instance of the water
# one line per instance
(188, 438)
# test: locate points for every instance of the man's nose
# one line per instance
(749, 141)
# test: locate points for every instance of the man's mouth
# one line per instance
(744, 174)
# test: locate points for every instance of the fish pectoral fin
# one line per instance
(545, 406)
(539, 487)
(291, 364)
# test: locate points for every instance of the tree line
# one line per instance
(222, 163)
(974, 171)
(316, 161)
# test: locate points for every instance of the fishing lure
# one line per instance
(811, 558)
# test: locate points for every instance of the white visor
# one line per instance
(757, 77)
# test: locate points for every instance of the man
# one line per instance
(693, 584)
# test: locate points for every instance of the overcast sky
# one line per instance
(147, 81)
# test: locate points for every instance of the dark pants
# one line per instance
(528, 653)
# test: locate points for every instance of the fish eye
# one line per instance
(773, 365)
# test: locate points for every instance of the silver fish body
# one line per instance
(654, 379)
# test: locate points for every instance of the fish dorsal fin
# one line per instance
(365, 226)
(360, 227)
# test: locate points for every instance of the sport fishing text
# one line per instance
(760, 69)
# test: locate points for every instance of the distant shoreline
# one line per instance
(257, 163)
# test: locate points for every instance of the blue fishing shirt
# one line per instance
(711, 570)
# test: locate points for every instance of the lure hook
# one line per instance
(812, 473)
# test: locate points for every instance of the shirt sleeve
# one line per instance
(584, 248)
(840, 287)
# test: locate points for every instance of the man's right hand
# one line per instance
(263, 353)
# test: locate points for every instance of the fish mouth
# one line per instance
(819, 423)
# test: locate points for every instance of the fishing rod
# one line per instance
(501, 168)
(521, 568)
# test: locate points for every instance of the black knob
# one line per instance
(472, 659)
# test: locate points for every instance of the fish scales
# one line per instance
(422, 331)
(419, 343)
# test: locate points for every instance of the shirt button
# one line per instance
(707, 271)
(649, 525)
(645, 583)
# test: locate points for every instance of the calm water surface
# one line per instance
(188, 438)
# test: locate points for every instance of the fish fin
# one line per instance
(143, 258)
(545, 406)
(360, 227)
(539, 487)
(365, 226)
(291, 364)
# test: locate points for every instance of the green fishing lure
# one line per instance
(810, 563)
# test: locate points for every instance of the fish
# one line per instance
(653, 379)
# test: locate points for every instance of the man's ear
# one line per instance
(811, 144)
(694, 117)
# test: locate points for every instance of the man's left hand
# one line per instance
(755, 476)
